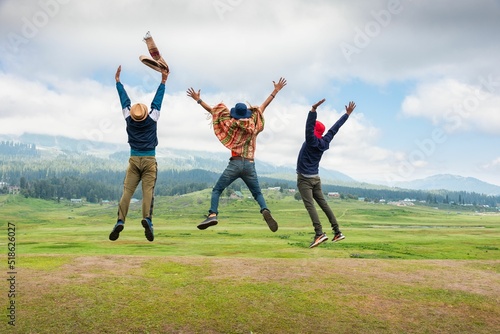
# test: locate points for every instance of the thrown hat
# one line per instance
(319, 129)
(157, 65)
(157, 62)
(240, 110)
(139, 112)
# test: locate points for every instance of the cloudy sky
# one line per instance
(424, 75)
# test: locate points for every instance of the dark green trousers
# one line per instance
(310, 191)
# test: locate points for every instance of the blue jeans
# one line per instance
(243, 169)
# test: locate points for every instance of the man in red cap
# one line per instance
(143, 139)
(237, 129)
(308, 180)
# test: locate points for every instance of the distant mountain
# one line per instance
(51, 146)
(55, 145)
(451, 183)
(171, 158)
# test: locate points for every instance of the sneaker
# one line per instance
(318, 239)
(339, 236)
(210, 221)
(273, 225)
(116, 230)
(148, 229)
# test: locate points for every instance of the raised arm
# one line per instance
(160, 92)
(335, 128)
(197, 97)
(124, 99)
(277, 87)
(311, 138)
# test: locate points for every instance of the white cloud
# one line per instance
(456, 106)
(58, 77)
(493, 165)
(253, 40)
(75, 109)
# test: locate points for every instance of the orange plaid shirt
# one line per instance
(238, 135)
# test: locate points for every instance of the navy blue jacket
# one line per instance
(142, 136)
(313, 148)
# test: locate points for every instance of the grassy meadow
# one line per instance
(411, 269)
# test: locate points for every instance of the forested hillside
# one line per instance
(88, 177)
(73, 175)
(11, 149)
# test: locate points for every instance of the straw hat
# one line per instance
(157, 62)
(139, 112)
(156, 65)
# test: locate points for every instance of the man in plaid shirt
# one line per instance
(237, 129)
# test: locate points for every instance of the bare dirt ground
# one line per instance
(371, 278)
(479, 277)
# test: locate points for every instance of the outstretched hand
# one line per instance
(317, 104)
(350, 108)
(117, 75)
(192, 93)
(164, 75)
(278, 86)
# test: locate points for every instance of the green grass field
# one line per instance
(399, 270)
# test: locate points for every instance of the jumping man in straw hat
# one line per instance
(143, 139)
(237, 129)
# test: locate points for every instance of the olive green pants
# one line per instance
(310, 191)
(139, 169)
